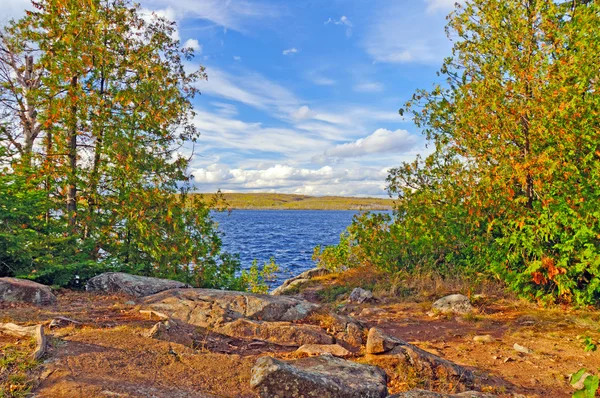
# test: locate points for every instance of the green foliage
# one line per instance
(330, 293)
(256, 279)
(590, 384)
(589, 343)
(93, 176)
(511, 186)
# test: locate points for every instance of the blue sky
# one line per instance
(302, 96)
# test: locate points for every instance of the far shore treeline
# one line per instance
(279, 201)
(95, 103)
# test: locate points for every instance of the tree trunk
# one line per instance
(72, 156)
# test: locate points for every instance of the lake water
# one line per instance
(287, 235)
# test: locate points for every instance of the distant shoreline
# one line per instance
(276, 201)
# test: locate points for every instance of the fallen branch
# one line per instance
(37, 332)
(61, 320)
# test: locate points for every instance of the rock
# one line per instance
(522, 349)
(134, 285)
(366, 312)
(314, 273)
(282, 333)
(456, 303)
(427, 365)
(343, 328)
(486, 338)
(323, 376)
(353, 334)
(360, 295)
(290, 288)
(378, 342)
(173, 331)
(432, 366)
(432, 394)
(317, 349)
(210, 308)
(299, 280)
(129, 302)
(242, 315)
(14, 290)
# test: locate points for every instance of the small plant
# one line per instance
(589, 343)
(256, 279)
(331, 293)
(585, 383)
(15, 365)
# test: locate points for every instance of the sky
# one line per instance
(302, 96)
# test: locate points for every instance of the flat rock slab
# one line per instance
(14, 290)
(281, 333)
(323, 376)
(210, 308)
(134, 285)
(456, 303)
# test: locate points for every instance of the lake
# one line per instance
(287, 235)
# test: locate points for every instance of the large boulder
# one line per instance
(211, 308)
(456, 303)
(15, 290)
(290, 285)
(134, 285)
(322, 376)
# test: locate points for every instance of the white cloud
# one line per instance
(441, 5)
(406, 33)
(285, 178)
(251, 89)
(193, 44)
(225, 109)
(237, 58)
(303, 112)
(369, 88)
(230, 14)
(342, 21)
(254, 90)
(323, 81)
(226, 134)
(381, 141)
(316, 77)
(289, 51)
(14, 9)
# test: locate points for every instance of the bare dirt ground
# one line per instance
(552, 335)
(109, 353)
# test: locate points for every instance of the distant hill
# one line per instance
(278, 201)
